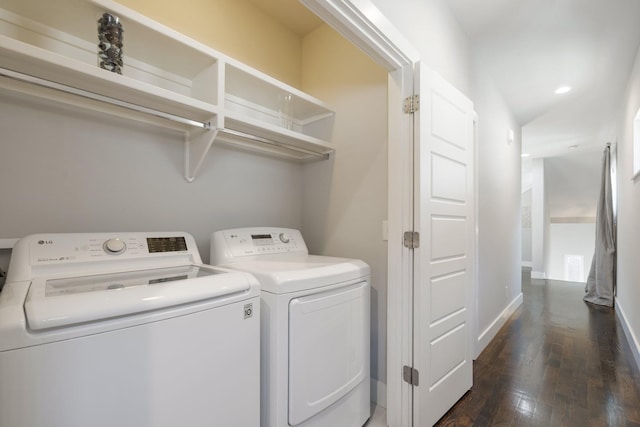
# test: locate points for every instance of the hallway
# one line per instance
(557, 362)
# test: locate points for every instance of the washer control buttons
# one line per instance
(114, 246)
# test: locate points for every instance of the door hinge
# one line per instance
(411, 104)
(411, 239)
(411, 375)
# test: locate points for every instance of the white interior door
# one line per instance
(443, 262)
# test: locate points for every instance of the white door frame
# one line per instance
(363, 24)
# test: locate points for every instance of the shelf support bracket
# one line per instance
(196, 146)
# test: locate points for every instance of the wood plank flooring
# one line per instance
(557, 362)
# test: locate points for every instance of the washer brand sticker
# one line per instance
(248, 310)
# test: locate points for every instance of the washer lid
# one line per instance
(59, 302)
(282, 274)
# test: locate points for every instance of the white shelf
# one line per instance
(257, 98)
(165, 73)
(278, 135)
(37, 62)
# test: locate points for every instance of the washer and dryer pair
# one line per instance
(314, 327)
(131, 329)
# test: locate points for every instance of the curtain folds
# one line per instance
(601, 280)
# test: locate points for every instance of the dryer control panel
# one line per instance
(241, 242)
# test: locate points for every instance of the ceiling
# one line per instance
(531, 48)
(530, 51)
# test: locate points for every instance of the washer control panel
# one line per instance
(78, 247)
(257, 241)
(114, 246)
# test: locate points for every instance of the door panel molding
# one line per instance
(444, 215)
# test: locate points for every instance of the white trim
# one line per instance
(362, 23)
(476, 237)
(527, 264)
(632, 338)
(485, 338)
(379, 393)
(400, 261)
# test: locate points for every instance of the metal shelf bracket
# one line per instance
(196, 146)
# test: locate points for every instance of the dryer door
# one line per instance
(328, 348)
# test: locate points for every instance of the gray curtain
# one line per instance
(601, 280)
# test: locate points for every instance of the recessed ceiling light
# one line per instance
(525, 155)
(563, 89)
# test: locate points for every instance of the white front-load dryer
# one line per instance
(314, 327)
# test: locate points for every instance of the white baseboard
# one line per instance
(537, 275)
(379, 393)
(485, 337)
(628, 332)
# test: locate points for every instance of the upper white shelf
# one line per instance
(164, 71)
(50, 42)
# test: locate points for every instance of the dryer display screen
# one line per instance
(166, 244)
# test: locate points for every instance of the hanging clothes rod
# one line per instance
(255, 138)
(101, 98)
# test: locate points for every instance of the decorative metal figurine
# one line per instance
(110, 33)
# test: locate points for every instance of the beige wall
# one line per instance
(345, 199)
(235, 28)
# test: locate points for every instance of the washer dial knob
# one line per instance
(284, 238)
(114, 246)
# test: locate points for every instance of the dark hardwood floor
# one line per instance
(557, 362)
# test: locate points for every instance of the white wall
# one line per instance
(570, 239)
(526, 227)
(431, 28)
(345, 199)
(62, 170)
(628, 267)
(498, 201)
(574, 183)
(539, 219)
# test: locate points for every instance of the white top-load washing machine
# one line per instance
(315, 327)
(126, 329)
